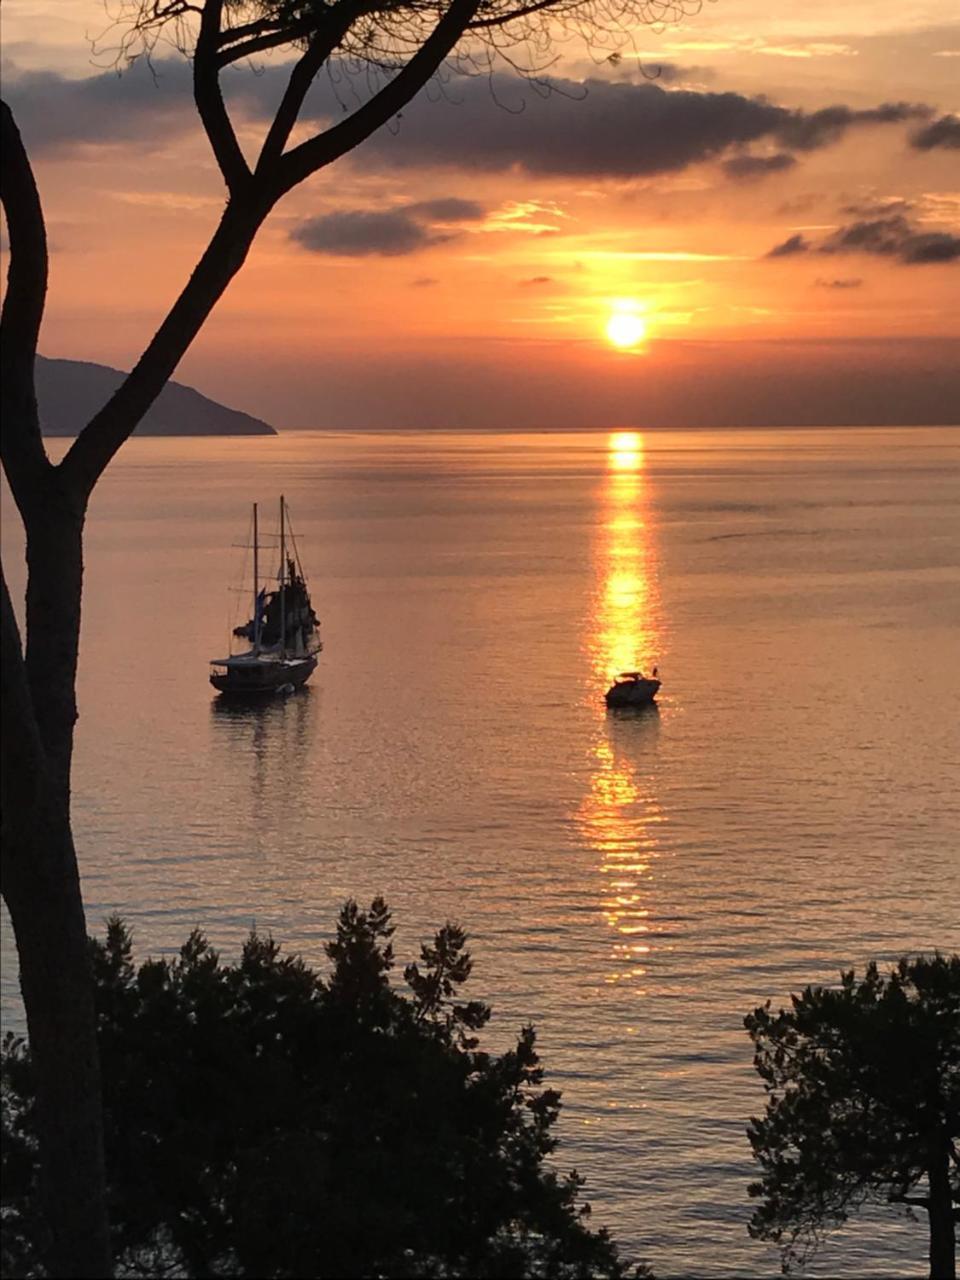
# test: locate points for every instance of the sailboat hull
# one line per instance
(257, 679)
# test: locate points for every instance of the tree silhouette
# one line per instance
(261, 1121)
(863, 1106)
(402, 44)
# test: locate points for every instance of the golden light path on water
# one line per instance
(620, 815)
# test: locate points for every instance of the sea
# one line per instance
(632, 884)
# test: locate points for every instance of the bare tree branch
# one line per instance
(248, 30)
(111, 426)
(24, 457)
(478, 24)
(320, 48)
(272, 37)
(324, 148)
(209, 100)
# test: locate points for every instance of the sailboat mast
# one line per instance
(256, 583)
(283, 584)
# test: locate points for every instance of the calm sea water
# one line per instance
(632, 884)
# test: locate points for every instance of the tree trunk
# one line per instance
(943, 1248)
(48, 921)
(41, 887)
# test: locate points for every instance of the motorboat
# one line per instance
(633, 689)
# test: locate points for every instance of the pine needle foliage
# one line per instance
(262, 1120)
(863, 1105)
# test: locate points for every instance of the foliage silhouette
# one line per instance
(863, 1106)
(263, 1121)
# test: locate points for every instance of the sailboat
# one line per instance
(283, 631)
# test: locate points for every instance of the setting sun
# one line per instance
(624, 329)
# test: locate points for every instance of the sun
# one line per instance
(626, 329)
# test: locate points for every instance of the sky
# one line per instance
(749, 217)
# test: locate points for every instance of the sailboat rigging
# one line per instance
(283, 631)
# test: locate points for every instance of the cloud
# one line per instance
(446, 209)
(887, 237)
(359, 233)
(758, 45)
(894, 237)
(601, 129)
(390, 233)
(592, 128)
(885, 207)
(424, 282)
(747, 167)
(944, 132)
(850, 282)
(811, 130)
(792, 245)
(54, 111)
(809, 49)
(536, 281)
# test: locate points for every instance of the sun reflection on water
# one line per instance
(623, 625)
(620, 815)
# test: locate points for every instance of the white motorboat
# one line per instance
(633, 689)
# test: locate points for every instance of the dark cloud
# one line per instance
(603, 129)
(446, 209)
(850, 282)
(894, 237)
(747, 167)
(885, 208)
(792, 245)
(594, 128)
(535, 281)
(944, 132)
(888, 237)
(808, 131)
(423, 282)
(361, 232)
(388, 232)
(873, 235)
(53, 111)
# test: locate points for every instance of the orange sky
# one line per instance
(463, 270)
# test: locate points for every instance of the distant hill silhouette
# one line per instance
(70, 392)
